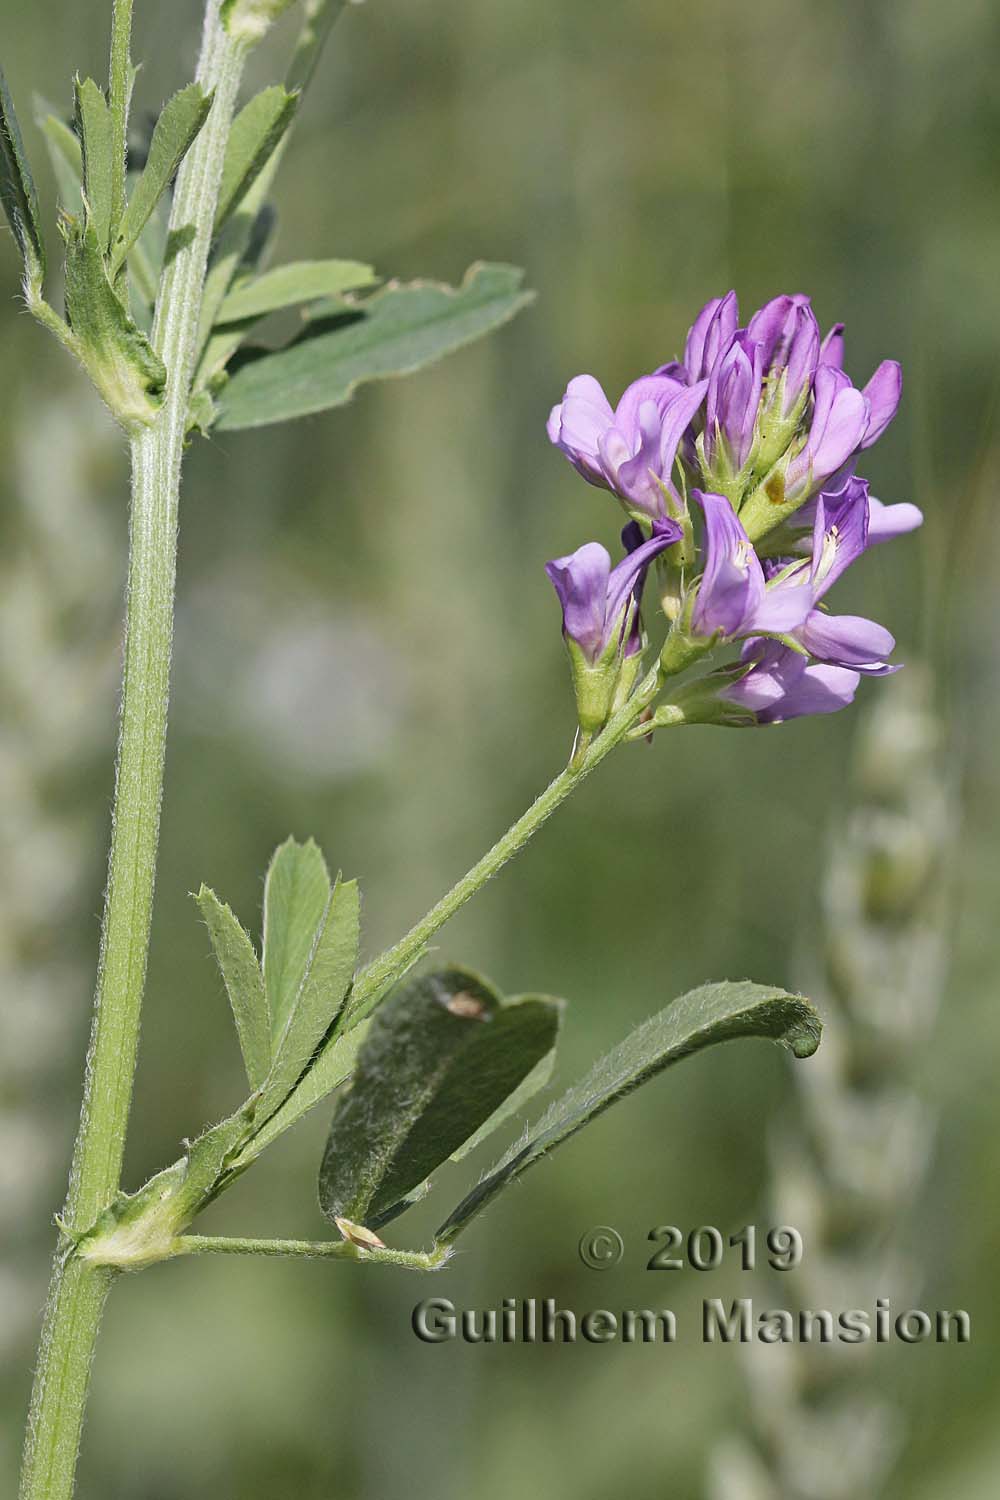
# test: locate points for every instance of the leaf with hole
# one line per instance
(440, 1058)
(17, 191)
(713, 1013)
(179, 123)
(394, 332)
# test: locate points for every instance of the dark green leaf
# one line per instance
(117, 355)
(394, 332)
(329, 971)
(286, 286)
(234, 953)
(440, 1058)
(254, 136)
(17, 191)
(296, 896)
(93, 124)
(180, 121)
(713, 1013)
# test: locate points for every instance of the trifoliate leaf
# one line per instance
(713, 1013)
(440, 1058)
(17, 192)
(234, 953)
(254, 136)
(287, 286)
(394, 332)
(180, 121)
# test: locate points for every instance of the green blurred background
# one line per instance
(368, 651)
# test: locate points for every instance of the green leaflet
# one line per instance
(296, 896)
(255, 134)
(397, 330)
(118, 357)
(286, 286)
(180, 121)
(93, 125)
(440, 1058)
(330, 968)
(65, 154)
(334, 1066)
(234, 953)
(17, 192)
(713, 1013)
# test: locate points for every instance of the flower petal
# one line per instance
(732, 585)
(887, 521)
(882, 394)
(581, 582)
(847, 641)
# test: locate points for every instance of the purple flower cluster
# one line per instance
(761, 427)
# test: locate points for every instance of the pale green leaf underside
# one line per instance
(713, 1013)
(287, 286)
(65, 154)
(180, 121)
(296, 894)
(394, 332)
(440, 1058)
(330, 969)
(255, 134)
(234, 953)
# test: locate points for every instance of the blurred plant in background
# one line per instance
(850, 1173)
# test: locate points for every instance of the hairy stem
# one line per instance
(414, 1260)
(119, 91)
(77, 1291)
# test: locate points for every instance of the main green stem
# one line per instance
(77, 1292)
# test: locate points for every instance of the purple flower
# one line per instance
(599, 602)
(734, 598)
(782, 684)
(733, 401)
(788, 334)
(630, 450)
(884, 521)
(838, 426)
(709, 336)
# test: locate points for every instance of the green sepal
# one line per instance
(713, 1013)
(93, 126)
(441, 1057)
(117, 355)
(176, 129)
(18, 194)
(396, 331)
(254, 137)
(241, 974)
